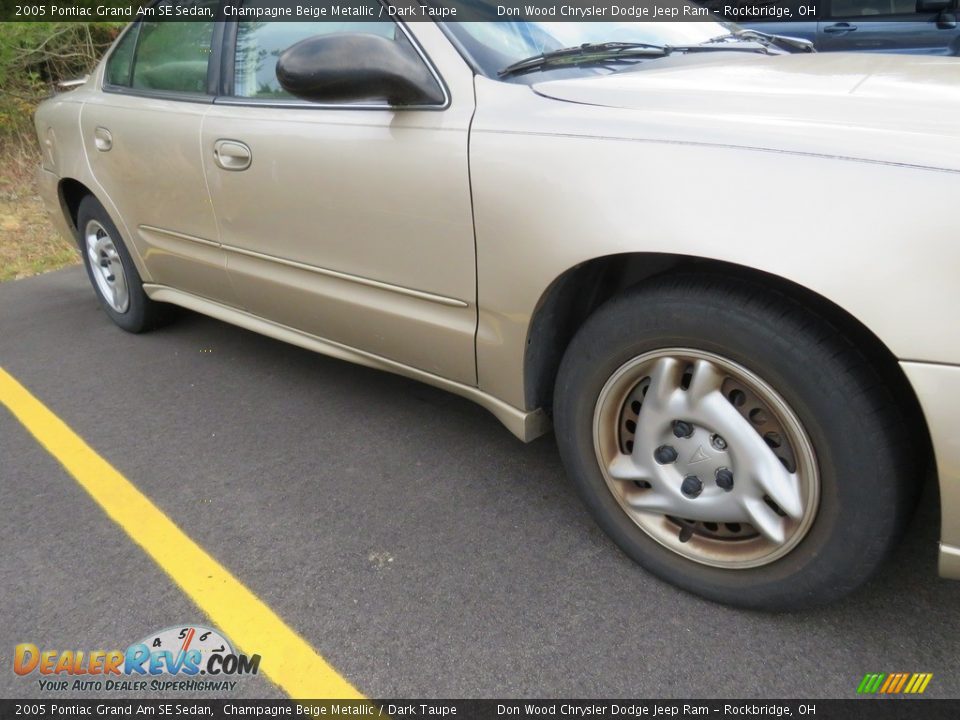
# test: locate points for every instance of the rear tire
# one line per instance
(112, 272)
(835, 451)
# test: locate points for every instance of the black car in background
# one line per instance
(923, 27)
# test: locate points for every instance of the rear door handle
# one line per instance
(102, 139)
(232, 155)
(839, 28)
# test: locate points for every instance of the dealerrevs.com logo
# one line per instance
(189, 658)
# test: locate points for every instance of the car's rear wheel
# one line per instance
(734, 442)
(112, 272)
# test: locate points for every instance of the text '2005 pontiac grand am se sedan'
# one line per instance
(723, 271)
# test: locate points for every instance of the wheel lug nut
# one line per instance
(682, 429)
(718, 442)
(665, 454)
(724, 478)
(691, 486)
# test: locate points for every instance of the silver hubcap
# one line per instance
(106, 268)
(706, 458)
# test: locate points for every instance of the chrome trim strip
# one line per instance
(359, 280)
(526, 425)
(179, 236)
(399, 289)
(231, 101)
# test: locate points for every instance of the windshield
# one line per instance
(492, 46)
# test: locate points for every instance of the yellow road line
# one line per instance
(286, 658)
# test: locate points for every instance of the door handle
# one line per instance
(839, 28)
(102, 139)
(232, 155)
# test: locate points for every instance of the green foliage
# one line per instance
(35, 56)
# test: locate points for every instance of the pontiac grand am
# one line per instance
(723, 269)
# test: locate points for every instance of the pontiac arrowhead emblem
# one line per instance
(699, 456)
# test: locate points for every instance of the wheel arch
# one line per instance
(71, 193)
(576, 293)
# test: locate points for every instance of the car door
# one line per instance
(142, 138)
(903, 26)
(351, 223)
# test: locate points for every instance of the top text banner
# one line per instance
(410, 10)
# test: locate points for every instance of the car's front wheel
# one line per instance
(734, 442)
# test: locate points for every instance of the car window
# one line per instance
(172, 56)
(869, 8)
(260, 44)
(120, 62)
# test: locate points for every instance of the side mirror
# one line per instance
(353, 67)
(932, 6)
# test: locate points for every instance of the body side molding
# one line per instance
(380, 285)
(526, 425)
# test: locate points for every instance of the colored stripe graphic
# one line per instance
(903, 681)
(913, 684)
(894, 683)
(891, 680)
(867, 683)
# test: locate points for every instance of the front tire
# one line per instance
(112, 272)
(734, 442)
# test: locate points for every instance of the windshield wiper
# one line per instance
(780, 41)
(615, 51)
(588, 52)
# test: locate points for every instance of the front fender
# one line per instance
(874, 238)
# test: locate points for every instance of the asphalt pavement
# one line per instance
(418, 546)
